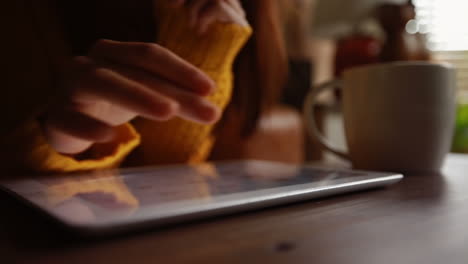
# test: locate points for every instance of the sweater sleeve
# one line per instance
(177, 140)
(26, 150)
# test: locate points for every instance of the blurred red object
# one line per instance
(356, 50)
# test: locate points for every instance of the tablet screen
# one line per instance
(113, 197)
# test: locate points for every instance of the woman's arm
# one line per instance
(32, 149)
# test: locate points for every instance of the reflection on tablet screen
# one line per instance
(113, 195)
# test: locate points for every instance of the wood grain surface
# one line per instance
(422, 219)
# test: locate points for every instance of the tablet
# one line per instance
(113, 201)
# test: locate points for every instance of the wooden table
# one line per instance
(423, 219)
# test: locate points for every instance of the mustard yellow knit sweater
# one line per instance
(174, 141)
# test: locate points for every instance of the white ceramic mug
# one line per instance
(398, 116)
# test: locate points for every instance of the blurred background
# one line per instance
(324, 37)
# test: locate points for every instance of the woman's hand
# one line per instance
(118, 81)
(203, 13)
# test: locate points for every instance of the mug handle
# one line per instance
(309, 113)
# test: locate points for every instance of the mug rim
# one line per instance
(399, 64)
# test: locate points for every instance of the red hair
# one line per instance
(261, 67)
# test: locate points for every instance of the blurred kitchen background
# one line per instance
(324, 37)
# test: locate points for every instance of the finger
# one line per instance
(192, 107)
(195, 7)
(231, 15)
(106, 112)
(99, 83)
(237, 6)
(206, 18)
(156, 60)
(72, 132)
(64, 143)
